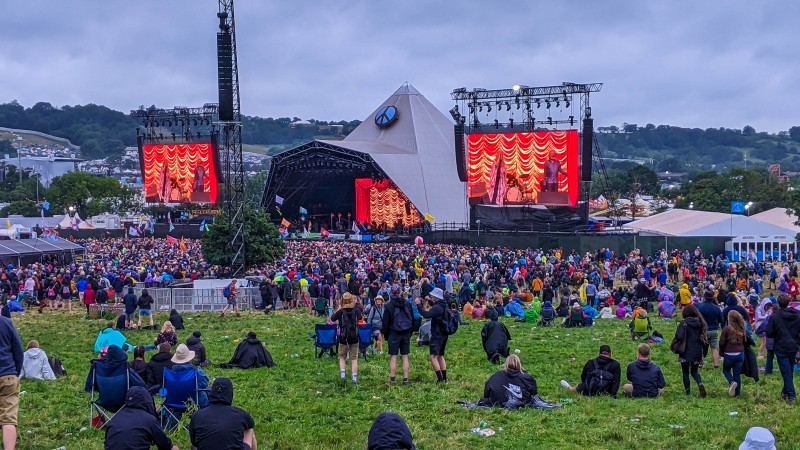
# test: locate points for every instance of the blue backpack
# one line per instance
(226, 292)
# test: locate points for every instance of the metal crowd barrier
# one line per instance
(198, 300)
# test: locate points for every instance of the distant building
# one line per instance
(47, 167)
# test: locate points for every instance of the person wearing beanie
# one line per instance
(222, 426)
(495, 337)
(600, 376)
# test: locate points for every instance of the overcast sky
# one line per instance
(686, 63)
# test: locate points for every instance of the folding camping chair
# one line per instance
(178, 389)
(640, 327)
(109, 388)
(324, 339)
(321, 307)
(365, 339)
(548, 316)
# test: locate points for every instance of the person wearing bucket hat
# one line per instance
(438, 314)
(758, 438)
(183, 362)
(222, 426)
(348, 316)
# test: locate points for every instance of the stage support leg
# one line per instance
(586, 188)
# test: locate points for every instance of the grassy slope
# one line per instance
(301, 403)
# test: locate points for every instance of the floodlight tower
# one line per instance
(230, 124)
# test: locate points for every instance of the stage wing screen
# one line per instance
(180, 173)
(530, 168)
(383, 202)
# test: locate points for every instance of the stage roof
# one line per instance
(687, 222)
(36, 247)
(417, 152)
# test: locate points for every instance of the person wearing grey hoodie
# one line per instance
(35, 365)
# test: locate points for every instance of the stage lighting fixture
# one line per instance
(496, 123)
(527, 105)
(198, 135)
(488, 107)
(471, 109)
(566, 103)
(163, 122)
(547, 102)
(508, 106)
(480, 107)
(517, 88)
(558, 103)
(463, 120)
(194, 122)
(517, 102)
(571, 120)
(511, 122)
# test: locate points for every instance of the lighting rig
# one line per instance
(522, 108)
(179, 124)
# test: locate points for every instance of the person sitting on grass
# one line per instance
(646, 378)
(167, 335)
(35, 365)
(605, 311)
(589, 315)
(495, 337)
(600, 376)
(511, 387)
(196, 345)
(138, 364)
(390, 431)
(576, 317)
(666, 308)
(250, 354)
(478, 312)
(109, 336)
(175, 319)
(135, 426)
(156, 366)
(221, 425)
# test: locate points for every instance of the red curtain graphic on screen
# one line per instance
(179, 173)
(383, 202)
(538, 167)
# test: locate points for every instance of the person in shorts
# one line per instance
(710, 311)
(232, 303)
(398, 319)
(145, 303)
(11, 362)
(348, 317)
(437, 314)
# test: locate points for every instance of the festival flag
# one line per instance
(183, 245)
(171, 227)
(279, 200)
(8, 224)
(303, 211)
(429, 218)
(133, 231)
(208, 227)
(305, 232)
(355, 228)
(203, 225)
(46, 205)
(738, 207)
(279, 210)
(286, 223)
(323, 232)
(171, 240)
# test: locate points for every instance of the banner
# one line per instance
(738, 207)
(279, 200)
(355, 228)
(171, 240)
(303, 211)
(285, 223)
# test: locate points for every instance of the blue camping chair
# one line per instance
(177, 390)
(365, 338)
(324, 339)
(109, 388)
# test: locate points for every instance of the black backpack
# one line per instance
(449, 322)
(348, 327)
(402, 319)
(57, 366)
(599, 380)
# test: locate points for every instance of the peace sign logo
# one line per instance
(386, 116)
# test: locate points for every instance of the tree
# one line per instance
(794, 134)
(89, 194)
(673, 164)
(748, 130)
(263, 241)
(26, 208)
(254, 189)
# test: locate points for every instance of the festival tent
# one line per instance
(65, 223)
(19, 251)
(779, 217)
(411, 149)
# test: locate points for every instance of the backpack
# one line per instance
(57, 366)
(51, 292)
(402, 319)
(226, 291)
(450, 322)
(348, 327)
(65, 289)
(599, 380)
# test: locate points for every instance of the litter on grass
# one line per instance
(733, 413)
(485, 432)
(675, 427)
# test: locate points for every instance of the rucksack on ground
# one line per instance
(450, 322)
(402, 319)
(57, 366)
(348, 327)
(599, 380)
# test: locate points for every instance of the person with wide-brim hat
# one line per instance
(183, 361)
(348, 316)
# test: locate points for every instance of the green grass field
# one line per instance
(302, 404)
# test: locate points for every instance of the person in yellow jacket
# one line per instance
(685, 295)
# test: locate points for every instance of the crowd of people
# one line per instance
(401, 289)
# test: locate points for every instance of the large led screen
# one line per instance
(179, 173)
(530, 168)
(383, 203)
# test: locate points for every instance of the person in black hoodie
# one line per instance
(437, 314)
(196, 345)
(694, 329)
(495, 337)
(398, 317)
(390, 431)
(511, 387)
(176, 319)
(145, 304)
(646, 378)
(130, 307)
(135, 427)
(114, 357)
(221, 426)
(156, 365)
(138, 364)
(592, 375)
(732, 304)
(784, 328)
(250, 354)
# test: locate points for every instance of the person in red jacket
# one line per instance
(88, 298)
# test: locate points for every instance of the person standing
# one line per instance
(784, 328)
(495, 337)
(232, 293)
(437, 313)
(130, 307)
(398, 320)
(375, 319)
(646, 378)
(348, 317)
(221, 426)
(731, 343)
(712, 314)
(145, 304)
(694, 330)
(11, 364)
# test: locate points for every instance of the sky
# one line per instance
(684, 63)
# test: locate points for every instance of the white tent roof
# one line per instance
(687, 222)
(65, 222)
(778, 217)
(417, 153)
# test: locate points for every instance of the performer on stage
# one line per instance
(497, 182)
(552, 167)
(199, 179)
